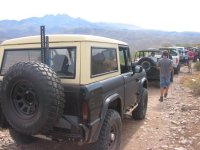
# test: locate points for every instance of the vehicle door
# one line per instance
(130, 79)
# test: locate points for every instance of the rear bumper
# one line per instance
(68, 129)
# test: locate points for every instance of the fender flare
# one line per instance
(108, 101)
(142, 84)
(104, 109)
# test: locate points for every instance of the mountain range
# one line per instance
(136, 37)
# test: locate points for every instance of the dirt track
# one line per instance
(170, 125)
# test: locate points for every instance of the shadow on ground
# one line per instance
(130, 127)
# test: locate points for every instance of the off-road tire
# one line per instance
(21, 138)
(140, 112)
(147, 63)
(33, 97)
(177, 70)
(3, 122)
(112, 122)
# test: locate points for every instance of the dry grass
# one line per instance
(197, 66)
(192, 82)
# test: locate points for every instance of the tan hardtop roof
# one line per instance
(61, 38)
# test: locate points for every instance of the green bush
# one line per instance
(197, 66)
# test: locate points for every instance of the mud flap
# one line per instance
(3, 122)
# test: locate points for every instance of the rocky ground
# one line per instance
(170, 125)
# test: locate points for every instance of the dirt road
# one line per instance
(170, 125)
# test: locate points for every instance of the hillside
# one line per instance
(135, 36)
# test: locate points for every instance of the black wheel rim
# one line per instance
(113, 137)
(146, 65)
(24, 99)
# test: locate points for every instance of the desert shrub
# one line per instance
(192, 82)
(197, 66)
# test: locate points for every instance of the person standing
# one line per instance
(186, 58)
(190, 55)
(165, 66)
(198, 55)
(153, 56)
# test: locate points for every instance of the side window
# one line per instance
(62, 60)
(103, 61)
(125, 62)
(12, 57)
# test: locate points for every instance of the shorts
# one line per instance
(164, 81)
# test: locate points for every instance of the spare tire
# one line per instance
(147, 63)
(33, 98)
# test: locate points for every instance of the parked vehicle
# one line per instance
(69, 88)
(182, 53)
(148, 59)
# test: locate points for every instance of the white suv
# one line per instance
(182, 54)
(174, 53)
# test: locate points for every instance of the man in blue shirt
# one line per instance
(165, 66)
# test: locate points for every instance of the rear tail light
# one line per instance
(85, 112)
(176, 60)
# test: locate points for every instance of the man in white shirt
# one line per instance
(153, 56)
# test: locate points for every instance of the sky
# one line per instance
(167, 15)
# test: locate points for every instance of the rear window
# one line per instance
(61, 60)
(12, 57)
(103, 61)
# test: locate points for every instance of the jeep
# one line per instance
(148, 59)
(74, 88)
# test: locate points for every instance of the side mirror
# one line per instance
(137, 69)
